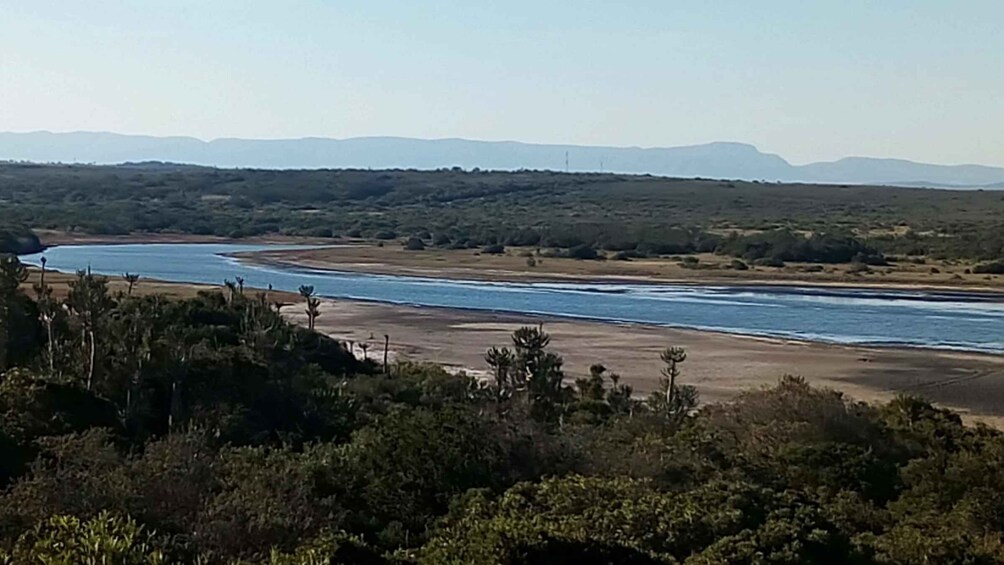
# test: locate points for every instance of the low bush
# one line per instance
(995, 268)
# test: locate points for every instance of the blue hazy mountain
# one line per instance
(713, 160)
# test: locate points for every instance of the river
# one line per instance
(944, 320)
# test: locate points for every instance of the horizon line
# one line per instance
(499, 141)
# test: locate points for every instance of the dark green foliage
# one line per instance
(769, 262)
(650, 215)
(103, 539)
(210, 430)
(996, 268)
(20, 327)
(784, 245)
(720, 522)
(405, 468)
(33, 407)
(414, 244)
(19, 241)
(583, 251)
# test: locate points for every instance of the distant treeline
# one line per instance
(635, 214)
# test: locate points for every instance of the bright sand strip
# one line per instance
(719, 365)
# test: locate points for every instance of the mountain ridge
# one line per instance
(717, 159)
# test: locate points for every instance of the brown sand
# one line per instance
(719, 365)
(712, 269)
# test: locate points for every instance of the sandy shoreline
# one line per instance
(306, 259)
(719, 365)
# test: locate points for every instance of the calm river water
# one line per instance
(942, 320)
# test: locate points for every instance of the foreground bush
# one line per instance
(210, 430)
(105, 539)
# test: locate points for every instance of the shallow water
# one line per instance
(948, 320)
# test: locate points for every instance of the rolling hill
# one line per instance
(724, 160)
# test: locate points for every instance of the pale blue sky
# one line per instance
(810, 80)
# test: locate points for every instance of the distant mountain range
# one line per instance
(713, 160)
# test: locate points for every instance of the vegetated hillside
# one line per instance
(458, 208)
(139, 430)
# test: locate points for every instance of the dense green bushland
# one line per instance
(140, 430)
(454, 208)
(19, 241)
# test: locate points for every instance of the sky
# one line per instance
(809, 80)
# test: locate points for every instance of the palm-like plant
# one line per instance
(131, 279)
(674, 402)
(503, 364)
(40, 289)
(386, 347)
(88, 300)
(672, 357)
(313, 305)
(231, 290)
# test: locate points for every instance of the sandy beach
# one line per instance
(513, 266)
(719, 365)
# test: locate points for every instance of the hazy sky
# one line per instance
(811, 80)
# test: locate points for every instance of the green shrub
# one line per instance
(583, 252)
(414, 244)
(996, 268)
(769, 262)
(67, 540)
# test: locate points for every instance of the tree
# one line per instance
(12, 274)
(231, 290)
(503, 364)
(47, 313)
(131, 279)
(575, 519)
(540, 370)
(88, 300)
(672, 401)
(406, 470)
(135, 347)
(386, 351)
(41, 280)
(313, 309)
(591, 387)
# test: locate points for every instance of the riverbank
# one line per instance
(524, 265)
(52, 238)
(514, 265)
(719, 365)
